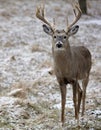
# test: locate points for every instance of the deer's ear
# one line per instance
(73, 30)
(47, 29)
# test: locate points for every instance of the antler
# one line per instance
(77, 16)
(40, 15)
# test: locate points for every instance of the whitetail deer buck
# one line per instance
(71, 63)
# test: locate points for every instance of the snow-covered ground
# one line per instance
(29, 95)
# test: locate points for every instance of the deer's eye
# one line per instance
(54, 37)
(64, 37)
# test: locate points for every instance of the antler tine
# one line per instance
(67, 21)
(42, 8)
(54, 23)
(40, 15)
(77, 16)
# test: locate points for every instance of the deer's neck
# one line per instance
(62, 60)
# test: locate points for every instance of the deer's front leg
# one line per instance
(75, 98)
(63, 102)
(79, 97)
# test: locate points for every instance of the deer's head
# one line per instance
(60, 37)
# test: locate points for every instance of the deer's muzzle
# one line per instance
(59, 44)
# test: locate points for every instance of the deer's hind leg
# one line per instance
(75, 98)
(84, 84)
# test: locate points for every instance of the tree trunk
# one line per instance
(83, 6)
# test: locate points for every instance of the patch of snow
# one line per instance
(69, 104)
(7, 101)
(96, 112)
(91, 22)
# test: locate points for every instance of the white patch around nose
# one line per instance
(59, 43)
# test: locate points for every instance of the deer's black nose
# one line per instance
(59, 45)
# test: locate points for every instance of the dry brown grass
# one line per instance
(36, 48)
(20, 90)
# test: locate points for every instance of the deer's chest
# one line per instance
(62, 69)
